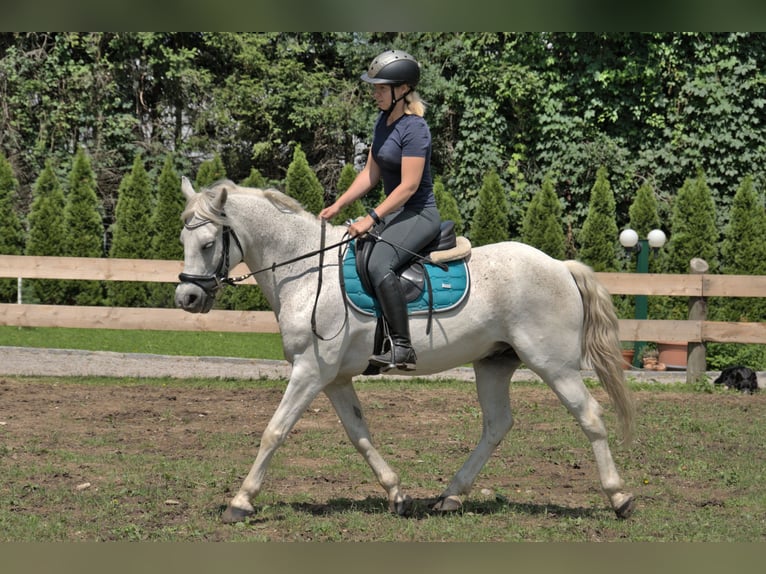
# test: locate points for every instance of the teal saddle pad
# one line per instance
(449, 287)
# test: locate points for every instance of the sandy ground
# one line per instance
(22, 361)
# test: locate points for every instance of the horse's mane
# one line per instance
(203, 205)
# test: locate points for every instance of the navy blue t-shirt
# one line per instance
(408, 136)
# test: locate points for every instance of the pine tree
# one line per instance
(166, 228)
(543, 226)
(447, 204)
(354, 210)
(84, 228)
(693, 228)
(11, 231)
(490, 222)
(46, 232)
(599, 238)
(743, 251)
(254, 179)
(209, 172)
(166, 221)
(132, 236)
(644, 217)
(693, 233)
(302, 183)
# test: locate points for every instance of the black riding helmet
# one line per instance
(393, 67)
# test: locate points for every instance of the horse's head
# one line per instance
(208, 249)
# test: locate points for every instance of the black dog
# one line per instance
(738, 377)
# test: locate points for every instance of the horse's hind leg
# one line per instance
(575, 396)
(493, 377)
(346, 403)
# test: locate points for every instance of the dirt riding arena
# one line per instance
(167, 454)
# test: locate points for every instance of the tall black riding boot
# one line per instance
(392, 302)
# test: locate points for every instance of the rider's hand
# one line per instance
(360, 226)
(329, 212)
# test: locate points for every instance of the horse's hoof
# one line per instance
(401, 507)
(626, 508)
(233, 514)
(447, 504)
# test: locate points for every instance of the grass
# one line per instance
(698, 471)
(210, 344)
(697, 466)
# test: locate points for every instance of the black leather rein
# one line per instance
(211, 284)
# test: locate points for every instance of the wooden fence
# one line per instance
(696, 286)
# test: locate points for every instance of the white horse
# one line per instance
(524, 307)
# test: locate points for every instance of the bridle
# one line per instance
(214, 282)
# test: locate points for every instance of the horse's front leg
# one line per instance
(346, 403)
(300, 392)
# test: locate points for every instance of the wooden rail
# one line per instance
(24, 315)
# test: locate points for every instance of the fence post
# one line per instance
(696, 363)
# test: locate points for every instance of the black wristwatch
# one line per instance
(375, 217)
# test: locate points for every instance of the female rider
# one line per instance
(401, 156)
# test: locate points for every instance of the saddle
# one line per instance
(436, 280)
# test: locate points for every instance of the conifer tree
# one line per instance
(743, 251)
(693, 228)
(693, 233)
(543, 226)
(166, 227)
(490, 221)
(644, 217)
(355, 209)
(11, 230)
(209, 172)
(132, 236)
(447, 204)
(166, 221)
(46, 232)
(84, 228)
(302, 183)
(599, 237)
(254, 179)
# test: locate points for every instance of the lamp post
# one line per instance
(629, 239)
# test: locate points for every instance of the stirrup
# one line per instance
(402, 358)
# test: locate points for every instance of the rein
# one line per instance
(273, 266)
(211, 284)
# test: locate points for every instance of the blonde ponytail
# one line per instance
(414, 105)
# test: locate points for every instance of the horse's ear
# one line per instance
(186, 188)
(220, 198)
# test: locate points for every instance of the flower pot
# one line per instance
(673, 355)
(627, 358)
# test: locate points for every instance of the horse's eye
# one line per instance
(208, 245)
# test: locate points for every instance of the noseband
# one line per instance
(211, 284)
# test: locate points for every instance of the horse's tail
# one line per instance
(601, 343)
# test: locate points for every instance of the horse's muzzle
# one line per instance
(192, 296)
